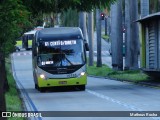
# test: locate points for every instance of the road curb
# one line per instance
(28, 105)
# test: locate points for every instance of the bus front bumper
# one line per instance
(62, 82)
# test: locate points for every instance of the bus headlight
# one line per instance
(82, 73)
(42, 76)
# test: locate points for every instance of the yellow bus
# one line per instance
(27, 39)
(59, 58)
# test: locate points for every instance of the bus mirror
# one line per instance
(87, 46)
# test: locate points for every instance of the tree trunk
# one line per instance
(117, 36)
(2, 81)
(158, 5)
(153, 6)
(98, 30)
(90, 37)
(109, 27)
(132, 37)
(6, 85)
(106, 25)
(135, 45)
(82, 24)
(52, 15)
(144, 8)
(127, 34)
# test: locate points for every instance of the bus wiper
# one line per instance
(68, 59)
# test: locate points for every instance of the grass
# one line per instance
(98, 71)
(13, 101)
(105, 71)
(134, 76)
(105, 37)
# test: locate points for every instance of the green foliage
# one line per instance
(69, 18)
(130, 75)
(105, 37)
(36, 20)
(56, 6)
(88, 5)
(13, 101)
(99, 71)
(154, 6)
(14, 15)
(13, 19)
(40, 7)
(105, 71)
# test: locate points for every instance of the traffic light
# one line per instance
(102, 16)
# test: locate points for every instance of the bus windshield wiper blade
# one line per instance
(68, 60)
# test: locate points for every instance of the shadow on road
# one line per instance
(53, 89)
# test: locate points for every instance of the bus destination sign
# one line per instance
(57, 43)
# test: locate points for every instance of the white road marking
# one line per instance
(128, 106)
(113, 100)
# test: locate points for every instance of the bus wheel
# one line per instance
(41, 89)
(36, 86)
(82, 87)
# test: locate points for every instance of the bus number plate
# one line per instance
(71, 75)
(62, 82)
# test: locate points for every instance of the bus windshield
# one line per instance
(60, 53)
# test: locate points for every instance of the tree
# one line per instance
(69, 18)
(90, 36)
(98, 30)
(2, 80)
(116, 36)
(106, 21)
(82, 24)
(47, 6)
(144, 8)
(127, 34)
(132, 38)
(106, 25)
(37, 7)
(13, 18)
(154, 6)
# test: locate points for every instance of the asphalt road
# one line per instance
(100, 95)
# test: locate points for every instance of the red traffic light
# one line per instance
(102, 16)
